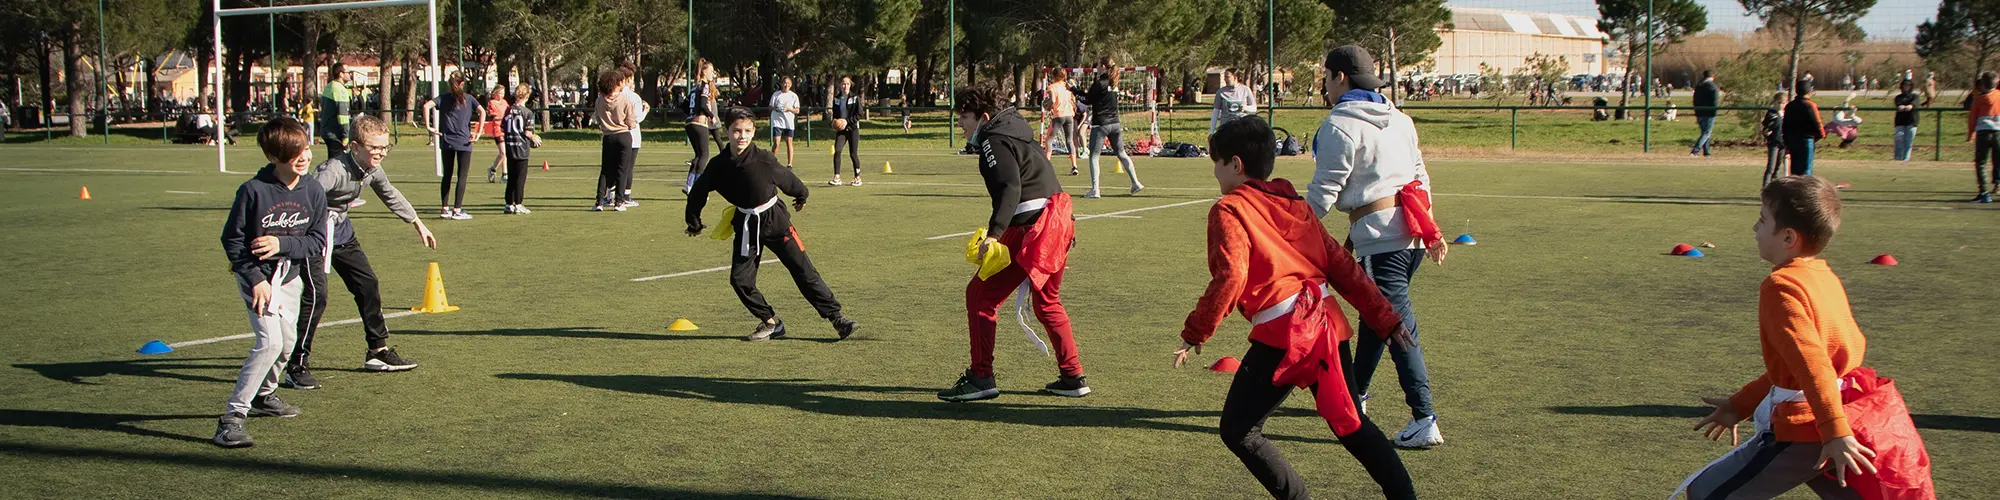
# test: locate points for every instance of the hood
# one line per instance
(1374, 113)
(1280, 205)
(1008, 123)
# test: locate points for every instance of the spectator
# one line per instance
(1802, 127)
(1706, 95)
(1906, 120)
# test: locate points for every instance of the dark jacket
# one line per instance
(1011, 163)
(1774, 128)
(1906, 118)
(1802, 121)
(1103, 101)
(1706, 95)
(847, 107)
(747, 180)
(264, 207)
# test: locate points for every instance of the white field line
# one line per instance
(96, 170)
(694, 272)
(1695, 201)
(178, 345)
(1118, 214)
(187, 192)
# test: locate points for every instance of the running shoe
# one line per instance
(299, 377)
(229, 432)
(269, 405)
(845, 327)
(970, 388)
(1068, 386)
(386, 360)
(767, 330)
(1421, 433)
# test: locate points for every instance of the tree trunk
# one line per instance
(47, 101)
(1625, 90)
(408, 85)
(73, 84)
(1798, 41)
(541, 64)
(385, 94)
(309, 59)
(1393, 70)
(151, 94)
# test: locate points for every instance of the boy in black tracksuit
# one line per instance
(750, 179)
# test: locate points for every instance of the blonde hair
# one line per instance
(367, 126)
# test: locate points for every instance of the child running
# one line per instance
(1032, 222)
(517, 136)
(1813, 354)
(275, 231)
(750, 179)
(1269, 256)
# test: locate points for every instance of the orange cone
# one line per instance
(545, 165)
(85, 195)
(1884, 259)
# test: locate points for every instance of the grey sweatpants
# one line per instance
(1765, 468)
(276, 330)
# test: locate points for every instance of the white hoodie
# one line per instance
(1365, 152)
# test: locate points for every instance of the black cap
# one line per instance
(1355, 62)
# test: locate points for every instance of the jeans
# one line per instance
(1701, 144)
(1253, 399)
(1115, 132)
(1802, 155)
(1906, 140)
(1392, 272)
(1774, 164)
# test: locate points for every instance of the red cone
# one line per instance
(1884, 259)
(1842, 185)
(545, 165)
(1681, 249)
(1225, 365)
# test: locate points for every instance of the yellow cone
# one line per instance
(434, 301)
(1117, 168)
(887, 169)
(683, 325)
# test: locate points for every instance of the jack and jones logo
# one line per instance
(286, 215)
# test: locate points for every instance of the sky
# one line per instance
(1889, 18)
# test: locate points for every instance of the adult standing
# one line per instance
(1234, 100)
(1906, 119)
(1062, 122)
(845, 113)
(1982, 129)
(1103, 100)
(616, 119)
(334, 114)
(1803, 127)
(450, 121)
(1369, 167)
(784, 118)
(1706, 96)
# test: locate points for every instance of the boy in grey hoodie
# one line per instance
(276, 228)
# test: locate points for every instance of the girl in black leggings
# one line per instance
(846, 116)
(700, 121)
(450, 117)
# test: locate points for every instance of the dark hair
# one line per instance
(1247, 138)
(733, 113)
(608, 80)
(1803, 87)
(1707, 74)
(338, 69)
(457, 82)
(1806, 204)
(284, 138)
(1986, 81)
(980, 99)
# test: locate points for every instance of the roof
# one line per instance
(1526, 23)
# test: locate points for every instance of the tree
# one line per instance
(1962, 27)
(552, 31)
(1827, 19)
(1403, 31)
(1624, 22)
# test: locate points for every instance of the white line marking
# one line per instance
(1119, 214)
(186, 192)
(695, 272)
(107, 170)
(1694, 201)
(178, 345)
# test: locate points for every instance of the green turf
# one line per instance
(1567, 352)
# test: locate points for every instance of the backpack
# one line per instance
(1288, 145)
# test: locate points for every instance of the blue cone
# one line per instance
(1465, 239)
(155, 347)
(1692, 253)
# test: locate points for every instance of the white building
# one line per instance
(1503, 39)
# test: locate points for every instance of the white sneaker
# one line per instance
(857, 182)
(459, 214)
(509, 210)
(619, 207)
(1092, 194)
(834, 182)
(598, 208)
(1421, 433)
(1137, 187)
(629, 204)
(522, 209)
(444, 213)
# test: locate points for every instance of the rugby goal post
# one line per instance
(1150, 89)
(221, 126)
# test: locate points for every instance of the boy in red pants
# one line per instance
(1032, 222)
(1270, 257)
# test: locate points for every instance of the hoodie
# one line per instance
(1232, 102)
(264, 207)
(343, 180)
(748, 180)
(1367, 151)
(1014, 169)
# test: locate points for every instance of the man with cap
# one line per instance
(1368, 167)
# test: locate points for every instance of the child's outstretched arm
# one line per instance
(1228, 269)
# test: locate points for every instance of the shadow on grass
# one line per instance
(265, 466)
(114, 422)
(587, 332)
(930, 195)
(810, 396)
(187, 209)
(75, 373)
(1923, 421)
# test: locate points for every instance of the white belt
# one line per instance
(1031, 205)
(749, 236)
(1761, 419)
(759, 209)
(1283, 307)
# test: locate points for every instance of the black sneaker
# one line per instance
(299, 377)
(767, 330)
(229, 432)
(1068, 386)
(270, 406)
(386, 360)
(970, 388)
(845, 327)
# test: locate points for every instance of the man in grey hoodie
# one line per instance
(1369, 166)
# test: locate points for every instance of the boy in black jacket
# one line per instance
(750, 179)
(277, 227)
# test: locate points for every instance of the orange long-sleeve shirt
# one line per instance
(1809, 341)
(1985, 113)
(1264, 245)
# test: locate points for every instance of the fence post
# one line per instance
(1513, 127)
(1937, 137)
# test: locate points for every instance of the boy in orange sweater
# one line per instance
(1810, 346)
(1270, 257)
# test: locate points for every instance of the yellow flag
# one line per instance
(723, 229)
(997, 257)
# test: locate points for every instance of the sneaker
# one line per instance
(269, 405)
(834, 182)
(857, 182)
(386, 360)
(1074, 171)
(509, 210)
(522, 209)
(300, 378)
(444, 213)
(970, 388)
(1137, 187)
(1364, 404)
(492, 173)
(628, 203)
(767, 330)
(620, 207)
(1068, 386)
(1982, 198)
(1092, 194)
(1421, 433)
(845, 327)
(229, 432)
(598, 208)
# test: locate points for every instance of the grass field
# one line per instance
(1567, 351)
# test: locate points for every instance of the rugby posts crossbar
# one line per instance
(285, 9)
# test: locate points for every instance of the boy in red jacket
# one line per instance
(1270, 257)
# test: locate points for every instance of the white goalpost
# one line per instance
(221, 126)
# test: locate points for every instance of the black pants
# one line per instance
(352, 266)
(1253, 399)
(517, 180)
(462, 160)
(789, 250)
(1986, 149)
(852, 139)
(335, 137)
(698, 139)
(615, 161)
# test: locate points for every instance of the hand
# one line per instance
(1436, 252)
(1845, 453)
(839, 124)
(695, 229)
(1403, 336)
(424, 236)
(260, 297)
(1181, 355)
(798, 204)
(264, 247)
(984, 246)
(433, 130)
(1724, 418)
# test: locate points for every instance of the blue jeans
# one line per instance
(1392, 272)
(1906, 140)
(1802, 155)
(1701, 144)
(1114, 132)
